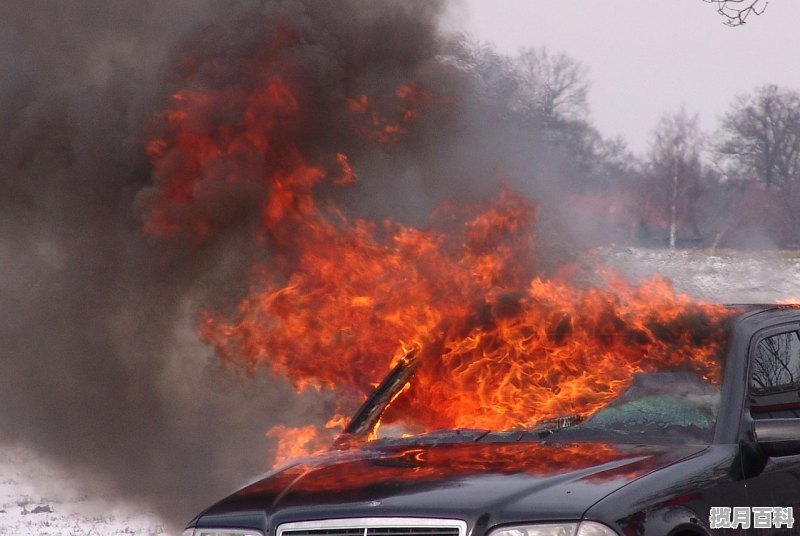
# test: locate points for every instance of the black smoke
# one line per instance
(101, 369)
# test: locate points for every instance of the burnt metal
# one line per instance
(369, 413)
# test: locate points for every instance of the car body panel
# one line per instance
(503, 480)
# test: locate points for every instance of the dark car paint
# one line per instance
(634, 489)
(504, 488)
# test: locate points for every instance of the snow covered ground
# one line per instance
(38, 499)
(722, 276)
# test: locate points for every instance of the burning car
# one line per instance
(680, 448)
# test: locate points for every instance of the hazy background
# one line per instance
(646, 58)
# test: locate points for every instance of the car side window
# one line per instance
(775, 378)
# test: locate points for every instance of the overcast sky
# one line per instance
(646, 58)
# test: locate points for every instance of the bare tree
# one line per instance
(552, 85)
(675, 170)
(776, 361)
(492, 74)
(760, 138)
(735, 12)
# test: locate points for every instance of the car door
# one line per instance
(773, 393)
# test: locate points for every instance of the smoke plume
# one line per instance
(104, 268)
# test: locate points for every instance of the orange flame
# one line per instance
(343, 300)
(296, 442)
(381, 129)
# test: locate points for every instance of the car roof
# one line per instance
(751, 310)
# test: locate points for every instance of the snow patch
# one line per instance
(724, 276)
(37, 499)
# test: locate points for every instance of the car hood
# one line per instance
(514, 481)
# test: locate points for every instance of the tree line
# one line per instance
(737, 187)
(734, 187)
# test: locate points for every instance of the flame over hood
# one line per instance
(341, 300)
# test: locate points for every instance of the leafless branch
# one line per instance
(735, 12)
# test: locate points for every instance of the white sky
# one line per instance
(648, 57)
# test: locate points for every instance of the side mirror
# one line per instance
(778, 437)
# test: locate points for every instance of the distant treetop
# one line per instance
(735, 12)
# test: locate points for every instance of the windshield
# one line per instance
(650, 401)
(658, 407)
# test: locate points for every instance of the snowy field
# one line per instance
(38, 499)
(721, 276)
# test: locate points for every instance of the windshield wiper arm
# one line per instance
(435, 437)
(464, 434)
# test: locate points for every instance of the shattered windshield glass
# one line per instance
(669, 406)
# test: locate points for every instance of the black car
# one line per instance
(674, 455)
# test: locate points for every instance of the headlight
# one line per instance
(593, 528)
(584, 528)
(221, 532)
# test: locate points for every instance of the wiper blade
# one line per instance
(547, 427)
(435, 437)
(467, 434)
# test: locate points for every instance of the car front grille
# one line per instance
(375, 526)
(323, 532)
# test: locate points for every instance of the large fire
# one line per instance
(342, 300)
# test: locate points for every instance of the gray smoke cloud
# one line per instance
(101, 369)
